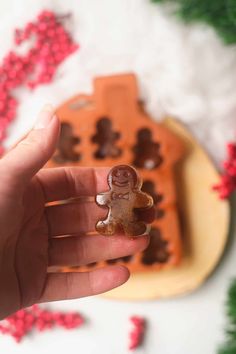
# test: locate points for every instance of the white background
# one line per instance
(186, 72)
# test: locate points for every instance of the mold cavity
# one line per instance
(106, 139)
(146, 151)
(157, 251)
(149, 187)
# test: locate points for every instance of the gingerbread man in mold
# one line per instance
(122, 199)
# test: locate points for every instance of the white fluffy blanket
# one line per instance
(184, 71)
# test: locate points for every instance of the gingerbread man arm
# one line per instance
(143, 200)
(103, 198)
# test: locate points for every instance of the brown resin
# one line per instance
(122, 199)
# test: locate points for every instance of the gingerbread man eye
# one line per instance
(126, 174)
(117, 173)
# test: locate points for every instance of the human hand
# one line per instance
(28, 228)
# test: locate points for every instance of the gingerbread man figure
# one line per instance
(122, 199)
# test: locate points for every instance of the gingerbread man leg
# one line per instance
(105, 227)
(135, 228)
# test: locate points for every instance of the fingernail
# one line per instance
(45, 116)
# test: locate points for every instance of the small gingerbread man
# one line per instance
(122, 199)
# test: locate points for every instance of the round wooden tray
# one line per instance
(205, 220)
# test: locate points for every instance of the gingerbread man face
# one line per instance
(123, 176)
(123, 198)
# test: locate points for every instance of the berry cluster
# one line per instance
(51, 45)
(24, 321)
(136, 335)
(227, 184)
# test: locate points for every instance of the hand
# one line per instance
(28, 228)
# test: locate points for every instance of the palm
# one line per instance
(37, 244)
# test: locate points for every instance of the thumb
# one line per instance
(30, 154)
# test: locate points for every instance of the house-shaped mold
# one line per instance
(110, 127)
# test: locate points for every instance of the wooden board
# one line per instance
(205, 219)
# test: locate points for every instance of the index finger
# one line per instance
(69, 182)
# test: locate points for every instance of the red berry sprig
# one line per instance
(136, 336)
(227, 184)
(24, 321)
(51, 45)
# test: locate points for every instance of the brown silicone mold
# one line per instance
(111, 128)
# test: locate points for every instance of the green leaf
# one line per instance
(220, 14)
(229, 346)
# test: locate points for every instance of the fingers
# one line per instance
(74, 218)
(21, 163)
(69, 182)
(81, 217)
(82, 250)
(63, 286)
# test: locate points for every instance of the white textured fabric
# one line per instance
(183, 71)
